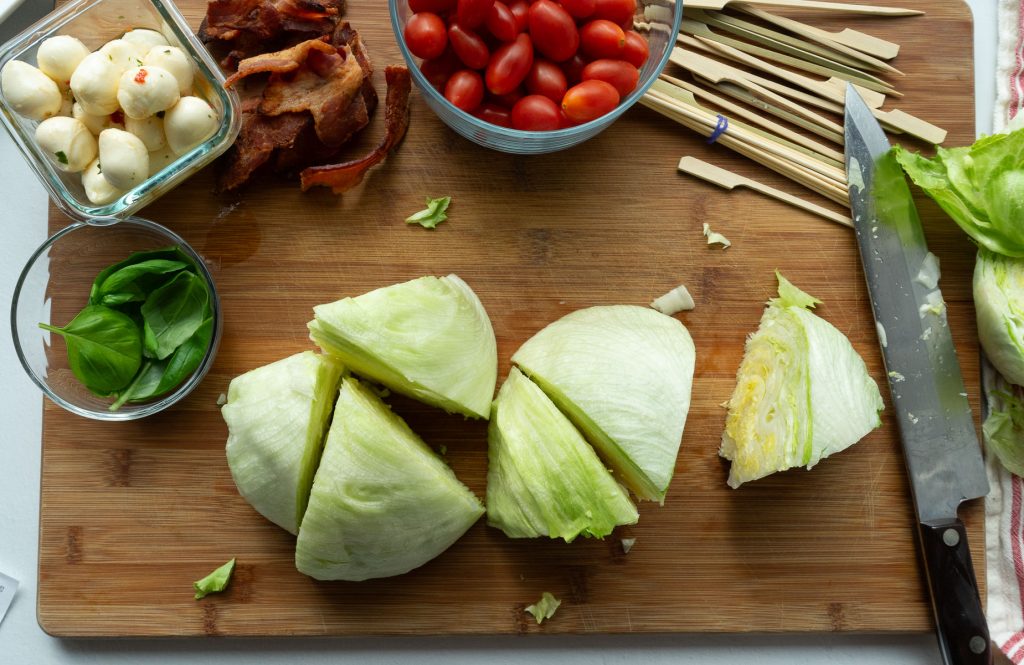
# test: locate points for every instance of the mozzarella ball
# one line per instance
(160, 159)
(144, 91)
(143, 40)
(124, 158)
(188, 123)
(150, 130)
(58, 57)
(94, 83)
(97, 188)
(174, 60)
(30, 92)
(123, 54)
(95, 123)
(67, 143)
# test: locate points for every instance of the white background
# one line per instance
(23, 228)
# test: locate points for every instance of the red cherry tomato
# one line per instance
(465, 90)
(636, 50)
(536, 113)
(573, 68)
(602, 39)
(472, 13)
(622, 75)
(589, 100)
(521, 11)
(426, 35)
(438, 70)
(546, 78)
(509, 99)
(579, 8)
(502, 22)
(619, 12)
(469, 46)
(494, 114)
(433, 6)
(553, 31)
(509, 65)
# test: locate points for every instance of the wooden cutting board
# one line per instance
(132, 513)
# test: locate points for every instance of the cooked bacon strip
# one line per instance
(260, 136)
(245, 28)
(343, 177)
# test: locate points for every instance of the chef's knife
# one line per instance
(940, 445)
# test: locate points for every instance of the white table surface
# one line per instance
(22, 642)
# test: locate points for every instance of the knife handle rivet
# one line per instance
(977, 644)
(951, 537)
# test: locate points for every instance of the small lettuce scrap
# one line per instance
(277, 416)
(383, 503)
(802, 392)
(980, 186)
(543, 479)
(544, 608)
(429, 338)
(215, 582)
(1004, 433)
(999, 304)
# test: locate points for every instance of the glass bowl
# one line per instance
(95, 22)
(662, 17)
(53, 288)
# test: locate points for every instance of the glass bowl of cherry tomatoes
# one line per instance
(534, 76)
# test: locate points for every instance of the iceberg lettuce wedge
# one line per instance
(276, 416)
(999, 303)
(802, 392)
(543, 479)
(623, 375)
(429, 338)
(382, 502)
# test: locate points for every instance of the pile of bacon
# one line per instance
(318, 94)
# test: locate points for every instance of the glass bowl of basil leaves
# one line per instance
(116, 320)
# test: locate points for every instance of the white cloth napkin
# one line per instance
(1004, 526)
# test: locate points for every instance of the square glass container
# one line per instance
(96, 22)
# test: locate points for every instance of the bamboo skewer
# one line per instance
(858, 41)
(729, 180)
(834, 50)
(813, 4)
(747, 97)
(825, 151)
(807, 62)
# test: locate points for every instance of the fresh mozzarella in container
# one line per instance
(59, 56)
(67, 143)
(150, 130)
(95, 123)
(30, 92)
(174, 60)
(143, 40)
(97, 188)
(94, 83)
(144, 91)
(123, 54)
(124, 158)
(188, 123)
(160, 159)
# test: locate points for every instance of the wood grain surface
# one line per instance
(132, 513)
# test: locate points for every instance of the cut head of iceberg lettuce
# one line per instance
(383, 503)
(276, 417)
(623, 375)
(802, 392)
(543, 479)
(429, 338)
(999, 303)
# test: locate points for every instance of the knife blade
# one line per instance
(940, 445)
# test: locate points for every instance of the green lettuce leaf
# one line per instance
(277, 416)
(433, 214)
(980, 186)
(542, 477)
(623, 375)
(1004, 433)
(802, 392)
(544, 608)
(215, 582)
(429, 338)
(383, 503)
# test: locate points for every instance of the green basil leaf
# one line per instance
(172, 253)
(133, 283)
(104, 348)
(173, 313)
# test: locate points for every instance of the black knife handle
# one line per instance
(962, 629)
